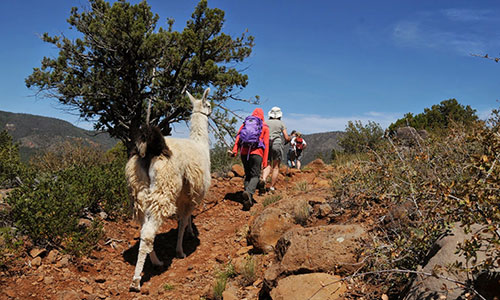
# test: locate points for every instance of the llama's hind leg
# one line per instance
(154, 259)
(148, 232)
(189, 226)
(183, 222)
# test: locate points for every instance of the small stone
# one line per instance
(52, 256)
(100, 279)
(36, 252)
(88, 289)
(10, 293)
(103, 215)
(86, 223)
(84, 279)
(244, 250)
(48, 280)
(69, 295)
(238, 170)
(37, 261)
(64, 262)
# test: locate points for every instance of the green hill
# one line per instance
(37, 133)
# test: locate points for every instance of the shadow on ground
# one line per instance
(164, 246)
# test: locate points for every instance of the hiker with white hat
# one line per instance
(277, 137)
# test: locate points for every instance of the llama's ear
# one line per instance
(205, 94)
(191, 97)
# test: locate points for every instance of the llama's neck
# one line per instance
(199, 127)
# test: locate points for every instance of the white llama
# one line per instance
(167, 177)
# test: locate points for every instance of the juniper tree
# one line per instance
(121, 60)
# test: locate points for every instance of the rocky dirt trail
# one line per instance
(221, 226)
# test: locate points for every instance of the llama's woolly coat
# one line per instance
(168, 176)
(177, 178)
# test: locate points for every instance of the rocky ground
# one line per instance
(222, 229)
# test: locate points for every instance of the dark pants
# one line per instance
(252, 167)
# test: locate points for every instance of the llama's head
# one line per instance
(202, 105)
(150, 142)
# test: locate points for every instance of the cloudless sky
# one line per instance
(323, 62)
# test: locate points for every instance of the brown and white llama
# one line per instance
(168, 176)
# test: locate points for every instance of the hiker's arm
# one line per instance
(236, 143)
(266, 146)
(286, 136)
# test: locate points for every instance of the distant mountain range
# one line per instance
(319, 145)
(37, 134)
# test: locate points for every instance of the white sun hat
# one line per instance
(275, 113)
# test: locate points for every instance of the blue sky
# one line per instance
(323, 62)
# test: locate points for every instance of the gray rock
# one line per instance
(320, 249)
(431, 287)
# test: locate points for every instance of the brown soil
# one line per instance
(220, 224)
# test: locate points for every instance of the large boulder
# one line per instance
(321, 249)
(314, 286)
(409, 136)
(431, 287)
(238, 170)
(269, 226)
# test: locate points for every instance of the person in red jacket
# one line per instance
(254, 161)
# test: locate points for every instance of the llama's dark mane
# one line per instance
(155, 145)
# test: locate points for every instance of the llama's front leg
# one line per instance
(183, 222)
(148, 232)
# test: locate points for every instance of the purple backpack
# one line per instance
(250, 133)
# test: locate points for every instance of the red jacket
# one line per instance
(264, 136)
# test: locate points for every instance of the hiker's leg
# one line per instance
(254, 173)
(276, 170)
(266, 172)
(247, 167)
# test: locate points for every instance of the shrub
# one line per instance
(220, 160)
(82, 241)
(47, 208)
(359, 138)
(248, 272)
(439, 117)
(9, 245)
(417, 192)
(66, 155)
(301, 213)
(302, 186)
(12, 170)
(221, 277)
(271, 199)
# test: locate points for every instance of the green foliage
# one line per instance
(121, 60)
(82, 241)
(10, 162)
(221, 278)
(417, 192)
(66, 155)
(9, 244)
(439, 117)
(271, 199)
(47, 209)
(359, 138)
(220, 161)
(302, 186)
(249, 271)
(168, 287)
(301, 213)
